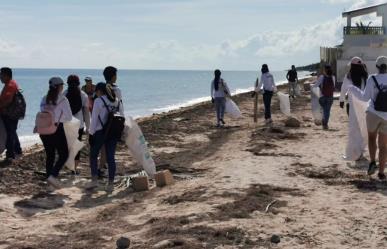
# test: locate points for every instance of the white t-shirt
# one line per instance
(347, 83)
(371, 92)
(100, 113)
(62, 109)
(267, 83)
(222, 87)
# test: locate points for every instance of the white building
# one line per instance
(366, 41)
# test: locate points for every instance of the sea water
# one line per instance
(144, 91)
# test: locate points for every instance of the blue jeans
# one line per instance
(267, 96)
(220, 106)
(110, 147)
(326, 104)
(12, 145)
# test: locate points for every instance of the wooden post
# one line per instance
(256, 103)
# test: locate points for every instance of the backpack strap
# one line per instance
(376, 83)
(107, 108)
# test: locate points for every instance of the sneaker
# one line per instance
(222, 121)
(92, 184)
(109, 187)
(372, 168)
(54, 182)
(381, 176)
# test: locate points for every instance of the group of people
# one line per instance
(92, 105)
(265, 85)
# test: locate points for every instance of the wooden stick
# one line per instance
(270, 204)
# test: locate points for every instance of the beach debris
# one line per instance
(275, 239)
(292, 122)
(168, 243)
(164, 178)
(269, 205)
(123, 243)
(140, 183)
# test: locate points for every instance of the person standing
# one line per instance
(357, 76)
(54, 143)
(326, 83)
(219, 91)
(110, 75)
(105, 102)
(268, 85)
(292, 81)
(376, 94)
(89, 89)
(79, 104)
(7, 95)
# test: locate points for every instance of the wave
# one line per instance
(30, 140)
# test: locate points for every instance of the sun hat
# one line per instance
(55, 81)
(381, 60)
(355, 61)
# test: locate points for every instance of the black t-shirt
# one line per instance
(292, 75)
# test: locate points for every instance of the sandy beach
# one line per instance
(236, 187)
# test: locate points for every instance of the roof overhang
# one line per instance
(363, 11)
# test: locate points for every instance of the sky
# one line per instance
(169, 34)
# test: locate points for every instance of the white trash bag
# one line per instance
(232, 109)
(135, 140)
(74, 145)
(284, 103)
(316, 107)
(298, 89)
(3, 136)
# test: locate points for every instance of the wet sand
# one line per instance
(226, 179)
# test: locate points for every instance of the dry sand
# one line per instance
(226, 179)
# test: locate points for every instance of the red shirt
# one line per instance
(7, 94)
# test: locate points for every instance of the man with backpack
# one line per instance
(12, 108)
(376, 95)
(292, 81)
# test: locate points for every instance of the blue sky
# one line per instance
(169, 34)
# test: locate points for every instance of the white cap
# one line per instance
(88, 78)
(55, 81)
(381, 60)
(355, 61)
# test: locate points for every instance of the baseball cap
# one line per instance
(55, 81)
(355, 61)
(88, 78)
(381, 60)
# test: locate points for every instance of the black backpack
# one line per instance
(115, 123)
(16, 110)
(380, 102)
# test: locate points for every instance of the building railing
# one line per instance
(364, 31)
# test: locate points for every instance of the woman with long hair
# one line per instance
(219, 92)
(375, 93)
(105, 102)
(268, 85)
(79, 103)
(326, 82)
(58, 104)
(357, 76)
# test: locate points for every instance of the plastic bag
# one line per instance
(357, 129)
(3, 136)
(232, 109)
(137, 145)
(298, 90)
(284, 103)
(74, 145)
(316, 107)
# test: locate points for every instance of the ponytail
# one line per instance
(217, 74)
(52, 95)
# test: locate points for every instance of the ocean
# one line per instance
(144, 91)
